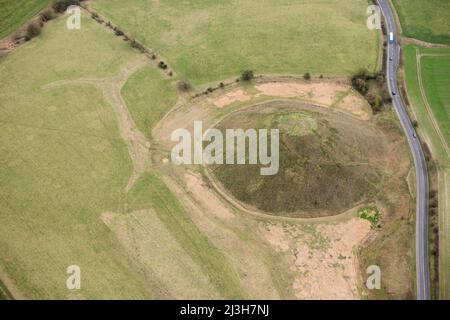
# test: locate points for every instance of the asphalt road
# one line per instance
(422, 265)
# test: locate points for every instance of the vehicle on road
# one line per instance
(391, 37)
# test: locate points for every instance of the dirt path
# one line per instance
(138, 146)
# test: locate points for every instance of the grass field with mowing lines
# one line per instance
(436, 80)
(206, 40)
(15, 13)
(148, 98)
(434, 70)
(425, 20)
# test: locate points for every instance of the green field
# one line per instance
(15, 13)
(436, 80)
(425, 20)
(431, 109)
(434, 71)
(206, 40)
(64, 168)
(63, 164)
(68, 150)
(148, 98)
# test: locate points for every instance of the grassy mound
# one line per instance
(328, 161)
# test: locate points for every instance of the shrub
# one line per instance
(62, 5)
(375, 101)
(360, 85)
(94, 15)
(153, 56)
(222, 85)
(247, 75)
(434, 203)
(307, 76)
(321, 76)
(162, 65)
(33, 30)
(170, 73)
(119, 32)
(386, 94)
(380, 78)
(47, 15)
(415, 125)
(137, 45)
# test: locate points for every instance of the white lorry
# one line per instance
(391, 37)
